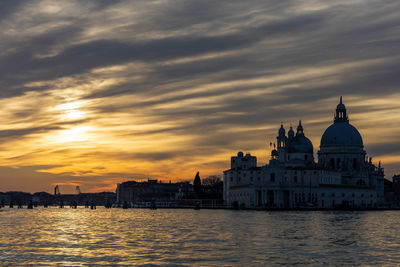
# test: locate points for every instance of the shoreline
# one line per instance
(209, 208)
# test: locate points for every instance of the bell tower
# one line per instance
(281, 140)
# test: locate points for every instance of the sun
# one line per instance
(71, 110)
(75, 134)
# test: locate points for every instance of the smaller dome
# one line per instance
(240, 154)
(300, 144)
(274, 153)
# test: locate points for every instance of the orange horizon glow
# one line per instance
(94, 95)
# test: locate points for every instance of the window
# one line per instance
(342, 195)
(305, 157)
(272, 177)
(333, 194)
(332, 163)
(295, 179)
(322, 194)
(354, 163)
(360, 182)
(231, 179)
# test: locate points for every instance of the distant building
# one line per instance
(4, 199)
(343, 176)
(44, 198)
(390, 198)
(16, 197)
(396, 188)
(152, 190)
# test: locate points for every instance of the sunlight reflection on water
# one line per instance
(197, 237)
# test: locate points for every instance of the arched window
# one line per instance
(355, 164)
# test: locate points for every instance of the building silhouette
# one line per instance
(343, 177)
(152, 190)
(197, 184)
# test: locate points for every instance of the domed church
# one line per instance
(343, 177)
(341, 144)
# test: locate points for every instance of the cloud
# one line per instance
(101, 90)
(18, 133)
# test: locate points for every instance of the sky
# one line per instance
(93, 93)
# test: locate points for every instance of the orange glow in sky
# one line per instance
(96, 94)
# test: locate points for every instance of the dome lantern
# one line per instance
(291, 133)
(341, 113)
(300, 131)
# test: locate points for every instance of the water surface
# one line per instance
(180, 237)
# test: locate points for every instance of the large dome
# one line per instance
(341, 134)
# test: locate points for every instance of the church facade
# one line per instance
(343, 176)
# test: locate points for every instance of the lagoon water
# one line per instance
(179, 237)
